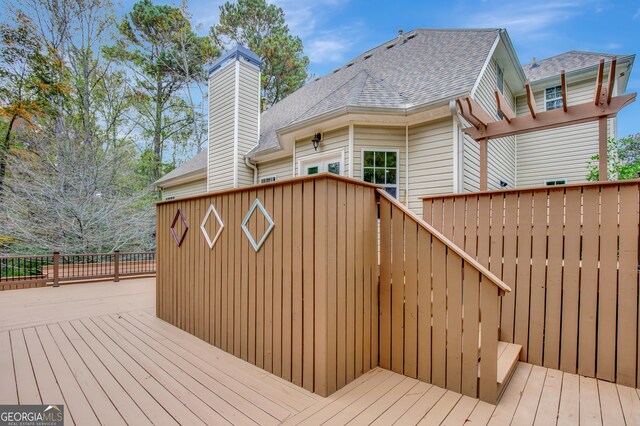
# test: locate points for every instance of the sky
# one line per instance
(334, 31)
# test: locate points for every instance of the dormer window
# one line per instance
(553, 98)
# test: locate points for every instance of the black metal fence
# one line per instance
(54, 269)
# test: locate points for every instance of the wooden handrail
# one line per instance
(533, 188)
(450, 245)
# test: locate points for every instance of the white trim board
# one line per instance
(485, 66)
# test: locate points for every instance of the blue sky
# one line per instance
(333, 31)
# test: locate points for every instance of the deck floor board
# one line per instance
(111, 362)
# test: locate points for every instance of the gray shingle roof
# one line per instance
(425, 66)
(195, 164)
(569, 61)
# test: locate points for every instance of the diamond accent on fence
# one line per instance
(213, 210)
(180, 216)
(257, 204)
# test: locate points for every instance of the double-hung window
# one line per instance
(380, 166)
(553, 98)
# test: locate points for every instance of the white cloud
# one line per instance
(303, 17)
(525, 19)
(613, 46)
(637, 15)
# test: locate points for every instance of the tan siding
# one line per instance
(221, 117)
(248, 107)
(188, 189)
(502, 152)
(333, 140)
(561, 153)
(281, 168)
(381, 137)
(430, 161)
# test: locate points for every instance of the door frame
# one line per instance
(322, 156)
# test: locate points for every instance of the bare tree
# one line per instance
(63, 195)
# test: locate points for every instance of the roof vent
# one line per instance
(534, 64)
(390, 45)
(349, 64)
(410, 36)
(400, 32)
(368, 55)
(336, 70)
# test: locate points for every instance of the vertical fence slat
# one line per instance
(350, 283)
(628, 286)
(321, 335)
(538, 278)
(385, 283)
(287, 300)
(308, 272)
(589, 282)
(297, 308)
(571, 281)
(470, 331)
(439, 334)
(507, 322)
(341, 345)
(554, 279)
(268, 285)
(523, 272)
(332, 295)
(454, 321)
(397, 290)
(411, 300)
(359, 290)
(424, 306)
(277, 281)
(606, 359)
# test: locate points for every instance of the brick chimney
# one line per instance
(234, 117)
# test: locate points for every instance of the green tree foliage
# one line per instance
(261, 27)
(623, 158)
(158, 45)
(30, 86)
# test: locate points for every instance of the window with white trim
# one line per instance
(554, 182)
(381, 167)
(553, 98)
(268, 179)
(500, 79)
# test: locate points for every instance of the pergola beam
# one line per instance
(563, 84)
(503, 107)
(551, 119)
(531, 101)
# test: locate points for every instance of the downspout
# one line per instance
(458, 149)
(253, 167)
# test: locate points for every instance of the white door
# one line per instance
(331, 164)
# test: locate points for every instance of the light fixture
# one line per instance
(503, 184)
(315, 140)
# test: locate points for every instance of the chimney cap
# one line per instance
(236, 53)
(400, 32)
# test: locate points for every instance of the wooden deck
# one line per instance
(99, 349)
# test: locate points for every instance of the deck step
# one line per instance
(508, 355)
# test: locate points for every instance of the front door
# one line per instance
(332, 164)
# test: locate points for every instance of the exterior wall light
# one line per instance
(315, 140)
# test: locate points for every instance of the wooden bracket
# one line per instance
(563, 83)
(596, 97)
(503, 107)
(531, 101)
(612, 80)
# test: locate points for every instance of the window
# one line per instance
(554, 182)
(268, 179)
(321, 163)
(553, 98)
(500, 80)
(381, 167)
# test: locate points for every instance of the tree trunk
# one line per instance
(4, 151)
(157, 133)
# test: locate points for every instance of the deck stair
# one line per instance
(508, 356)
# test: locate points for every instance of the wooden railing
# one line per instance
(303, 306)
(18, 272)
(570, 254)
(434, 299)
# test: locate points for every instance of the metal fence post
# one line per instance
(56, 269)
(116, 266)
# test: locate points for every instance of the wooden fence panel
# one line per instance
(432, 296)
(570, 255)
(304, 305)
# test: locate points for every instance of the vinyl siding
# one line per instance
(248, 110)
(561, 153)
(221, 118)
(188, 189)
(332, 140)
(369, 137)
(282, 168)
(430, 161)
(501, 152)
